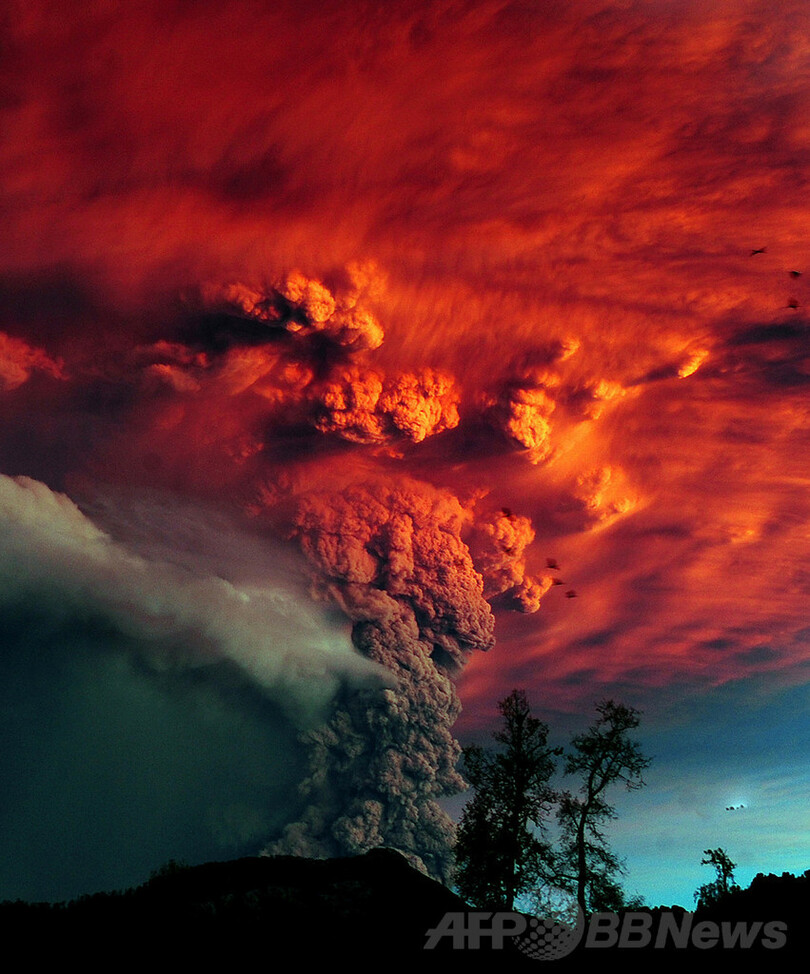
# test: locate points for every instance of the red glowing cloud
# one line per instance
(507, 253)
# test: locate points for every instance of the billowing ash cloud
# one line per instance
(263, 370)
(524, 414)
(604, 494)
(394, 559)
(564, 211)
(18, 360)
(498, 544)
(543, 392)
(358, 403)
(176, 613)
(158, 665)
(305, 306)
(367, 407)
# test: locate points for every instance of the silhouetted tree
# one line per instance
(723, 884)
(501, 849)
(603, 756)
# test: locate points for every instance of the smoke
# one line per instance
(542, 395)
(305, 306)
(410, 568)
(159, 664)
(394, 558)
(18, 360)
(171, 604)
(567, 321)
(498, 545)
(366, 407)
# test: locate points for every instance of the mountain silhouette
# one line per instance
(370, 910)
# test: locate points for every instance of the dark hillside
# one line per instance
(374, 907)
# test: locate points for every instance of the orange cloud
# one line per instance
(18, 360)
(523, 235)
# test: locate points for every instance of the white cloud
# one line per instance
(181, 612)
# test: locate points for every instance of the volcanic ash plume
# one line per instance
(498, 544)
(302, 305)
(366, 407)
(18, 360)
(394, 559)
(174, 613)
(522, 410)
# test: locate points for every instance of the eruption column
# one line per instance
(394, 559)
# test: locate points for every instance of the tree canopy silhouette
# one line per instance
(501, 848)
(711, 893)
(601, 757)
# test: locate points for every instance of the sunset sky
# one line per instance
(336, 335)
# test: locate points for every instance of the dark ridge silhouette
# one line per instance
(374, 909)
(759, 928)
